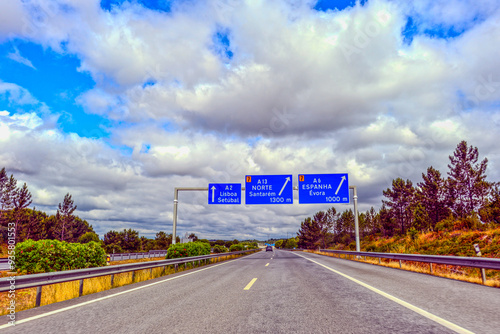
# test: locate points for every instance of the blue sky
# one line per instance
(53, 79)
(118, 102)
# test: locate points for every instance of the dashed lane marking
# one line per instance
(249, 285)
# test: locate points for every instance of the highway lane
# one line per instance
(289, 293)
(470, 305)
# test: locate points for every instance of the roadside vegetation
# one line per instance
(437, 216)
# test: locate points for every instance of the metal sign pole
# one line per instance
(176, 202)
(356, 222)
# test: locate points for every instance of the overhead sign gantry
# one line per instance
(278, 189)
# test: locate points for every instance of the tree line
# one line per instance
(129, 241)
(35, 224)
(64, 225)
(462, 200)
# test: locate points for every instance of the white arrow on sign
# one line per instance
(283, 188)
(213, 193)
(342, 179)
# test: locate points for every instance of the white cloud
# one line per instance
(11, 18)
(16, 56)
(16, 95)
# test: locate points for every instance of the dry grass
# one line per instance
(26, 298)
(472, 275)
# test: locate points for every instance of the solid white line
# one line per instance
(113, 295)
(414, 308)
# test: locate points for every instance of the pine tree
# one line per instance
(345, 227)
(163, 240)
(468, 188)
(400, 200)
(37, 227)
(113, 242)
(64, 217)
(490, 212)
(387, 221)
(432, 195)
(325, 223)
(3, 182)
(131, 241)
(22, 198)
(309, 234)
(372, 222)
(8, 195)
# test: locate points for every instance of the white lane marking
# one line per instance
(249, 285)
(414, 308)
(113, 295)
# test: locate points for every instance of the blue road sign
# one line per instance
(268, 189)
(224, 193)
(323, 188)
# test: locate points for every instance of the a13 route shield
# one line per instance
(323, 188)
(268, 189)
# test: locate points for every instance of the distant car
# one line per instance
(269, 248)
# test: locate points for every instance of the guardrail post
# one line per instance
(133, 276)
(400, 264)
(112, 280)
(38, 296)
(80, 291)
(478, 253)
(430, 266)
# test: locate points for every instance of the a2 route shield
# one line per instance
(224, 193)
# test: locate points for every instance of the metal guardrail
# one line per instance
(38, 280)
(4, 264)
(476, 262)
(132, 256)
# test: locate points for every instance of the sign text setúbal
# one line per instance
(224, 193)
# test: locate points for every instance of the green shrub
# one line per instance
(88, 237)
(236, 247)
(220, 249)
(188, 249)
(412, 233)
(53, 255)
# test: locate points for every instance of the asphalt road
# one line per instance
(277, 292)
